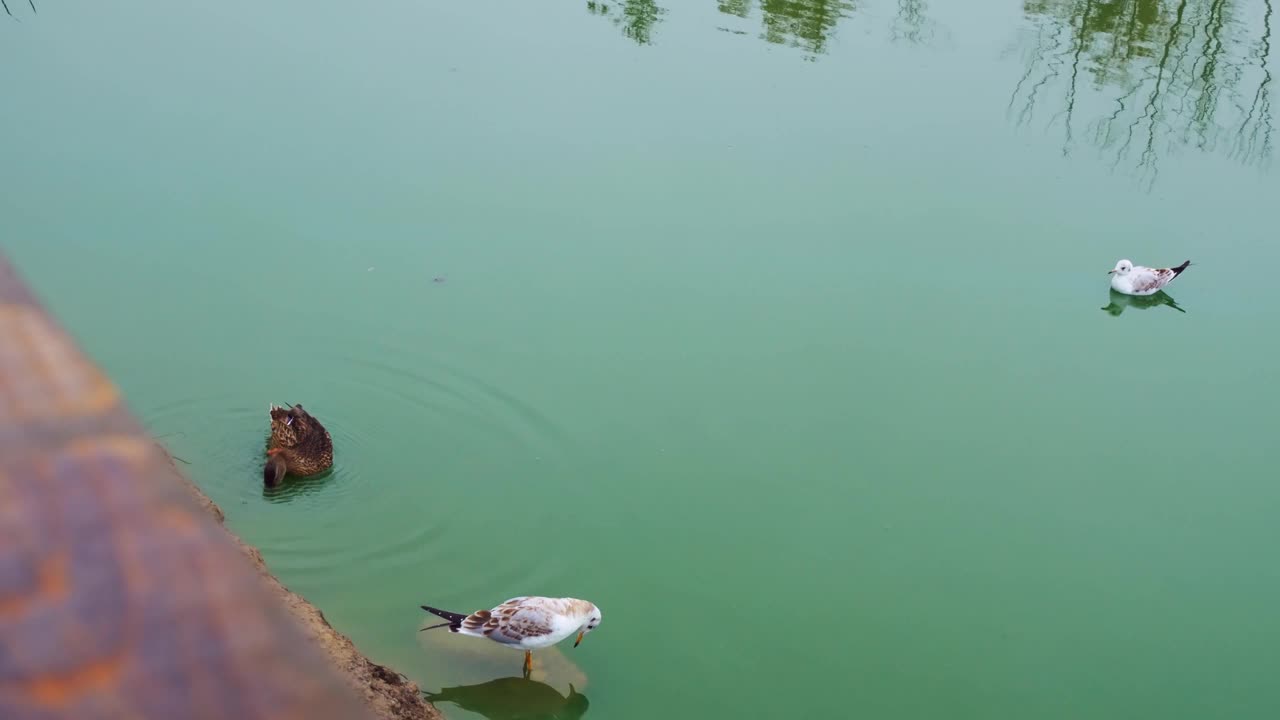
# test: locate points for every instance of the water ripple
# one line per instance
(412, 438)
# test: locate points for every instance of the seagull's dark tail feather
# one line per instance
(1178, 270)
(455, 619)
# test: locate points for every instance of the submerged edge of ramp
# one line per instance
(121, 593)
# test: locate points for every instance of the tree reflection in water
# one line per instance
(1173, 73)
(5, 4)
(635, 18)
(804, 24)
(1137, 79)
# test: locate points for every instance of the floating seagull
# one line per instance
(525, 623)
(1133, 279)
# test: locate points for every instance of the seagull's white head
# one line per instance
(591, 621)
(1122, 268)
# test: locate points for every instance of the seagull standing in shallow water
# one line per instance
(1133, 279)
(525, 623)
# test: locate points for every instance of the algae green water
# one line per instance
(775, 329)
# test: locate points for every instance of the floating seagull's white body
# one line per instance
(1133, 279)
(525, 623)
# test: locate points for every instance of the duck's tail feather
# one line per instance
(455, 619)
(274, 471)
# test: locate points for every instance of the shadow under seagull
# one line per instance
(454, 659)
(513, 698)
(1120, 301)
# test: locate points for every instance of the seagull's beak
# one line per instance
(580, 634)
(1111, 272)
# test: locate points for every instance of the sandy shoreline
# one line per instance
(390, 695)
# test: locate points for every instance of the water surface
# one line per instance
(780, 330)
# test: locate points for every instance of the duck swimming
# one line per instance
(299, 445)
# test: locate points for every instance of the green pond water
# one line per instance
(776, 329)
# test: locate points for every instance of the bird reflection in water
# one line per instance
(514, 698)
(1120, 301)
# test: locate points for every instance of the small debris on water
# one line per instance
(438, 279)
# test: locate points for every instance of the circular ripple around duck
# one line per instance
(457, 399)
(431, 465)
(430, 479)
(203, 433)
(333, 487)
(222, 447)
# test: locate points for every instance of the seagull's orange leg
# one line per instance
(528, 662)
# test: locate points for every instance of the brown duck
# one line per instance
(299, 445)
